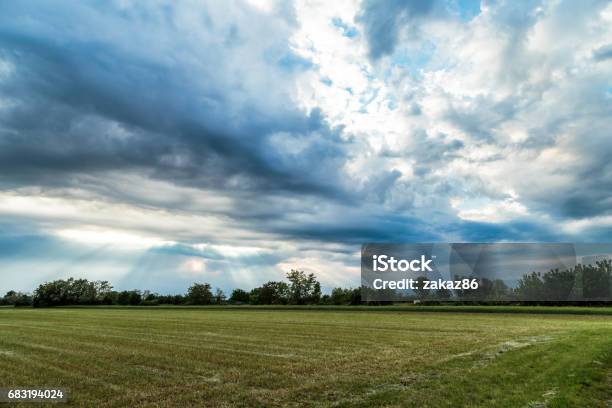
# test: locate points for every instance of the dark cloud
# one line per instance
(515, 231)
(384, 20)
(591, 197)
(86, 106)
(603, 53)
(581, 206)
(357, 230)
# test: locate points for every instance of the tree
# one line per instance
(325, 300)
(200, 294)
(54, 293)
(355, 296)
(443, 294)
(72, 292)
(530, 287)
(9, 298)
(303, 289)
(22, 299)
(420, 290)
(123, 297)
(129, 297)
(315, 295)
(219, 296)
(500, 290)
(270, 293)
(239, 296)
(171, 299)
(149, 298)
(104, 292)
(558, 284)
(16, 299)
(254, 297)
(596, 279)
(339, 296)
(274, 293)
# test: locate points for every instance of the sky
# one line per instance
(159, 143)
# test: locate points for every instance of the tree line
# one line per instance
(592, 282)
(581, 282)
(300, 289)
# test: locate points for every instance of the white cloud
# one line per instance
(118, 239)
(489, 211)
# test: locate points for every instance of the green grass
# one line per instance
(300, 357)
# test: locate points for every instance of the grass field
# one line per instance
(244, 357)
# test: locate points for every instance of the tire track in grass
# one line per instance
(195, 358)
(134, 337)
(141, 360)
(72, 372)
(137, 337)
(51, 365)
(184, 335)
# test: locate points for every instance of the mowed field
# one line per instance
(245, 357)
